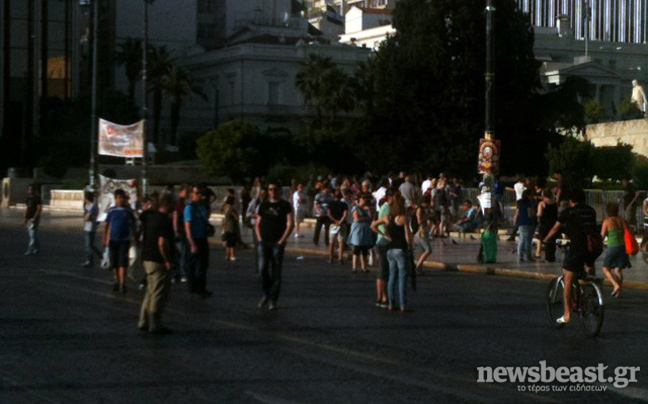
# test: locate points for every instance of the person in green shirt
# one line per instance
(382, 245)
(616, 258)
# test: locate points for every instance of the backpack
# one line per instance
(594, 244)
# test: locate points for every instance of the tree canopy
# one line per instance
(427, 108)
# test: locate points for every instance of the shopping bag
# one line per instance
(105, 259)
(632, 247)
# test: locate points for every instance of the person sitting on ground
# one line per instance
(469, 223)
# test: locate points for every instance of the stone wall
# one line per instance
(634, 133)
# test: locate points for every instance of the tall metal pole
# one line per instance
(144, 101)
(68, 20)
(490, 74)
(94, 132)
(488, 163)
(6, 67)
(587, 17)
(30, 89)
(44, 62)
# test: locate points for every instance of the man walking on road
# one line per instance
(32, 220)
(273, 227)
(322, 201)
(157, 255)
(182, 249)
(196, 218)
(120, 227)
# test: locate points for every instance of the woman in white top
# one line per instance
(300, 205)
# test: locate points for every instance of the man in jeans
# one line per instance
(382, 245)
(322, 200)
(273, 227)
(157, 256)
(196, 218)
(32, 219)
(630, 197)
(91, 211)
(182, 249)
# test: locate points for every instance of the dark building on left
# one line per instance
(44, 59)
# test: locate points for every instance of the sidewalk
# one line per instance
(462, 257)
(459, 257)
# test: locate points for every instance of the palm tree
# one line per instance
(338, 92)
(311, 82)
(159, 61)
(130, 56)
(178, 84)
(325, 87)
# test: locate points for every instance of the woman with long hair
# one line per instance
(400, 243)
(424, 220)
(616, 258)
(230, 227)
(360, 236)
(547, 216)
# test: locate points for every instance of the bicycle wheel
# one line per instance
(555, 306)
(591, 309)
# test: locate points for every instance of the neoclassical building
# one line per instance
(254, 79)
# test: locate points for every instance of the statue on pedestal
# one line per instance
(639, 96)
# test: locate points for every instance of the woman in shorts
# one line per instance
(616, 258)
(361, 236)
(230, 228)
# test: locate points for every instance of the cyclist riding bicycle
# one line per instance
(579, 221)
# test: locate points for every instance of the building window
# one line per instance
(273, 93)
(206, 6)
(206, 31)
(232, 91)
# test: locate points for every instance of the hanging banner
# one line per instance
(121, 141)
(106, 197)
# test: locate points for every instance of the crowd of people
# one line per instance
(378, 221)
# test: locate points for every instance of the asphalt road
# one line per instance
(66, 338)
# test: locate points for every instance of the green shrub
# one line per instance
(234, 149)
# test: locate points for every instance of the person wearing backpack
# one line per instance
(579, 221)
(616, 258)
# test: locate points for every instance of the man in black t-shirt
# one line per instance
(32, 219)
(157, 255)
(630, 196)
(337, 213)
(274, 224)
(579, 221)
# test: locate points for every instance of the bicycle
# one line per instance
(586, 300)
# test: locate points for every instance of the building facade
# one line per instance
(244, 54)
(622, 21)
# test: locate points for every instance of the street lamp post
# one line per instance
(145, 101)
(95, 123)
(488, 163)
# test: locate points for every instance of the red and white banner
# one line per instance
(121, 141)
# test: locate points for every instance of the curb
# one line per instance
(475, 269)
